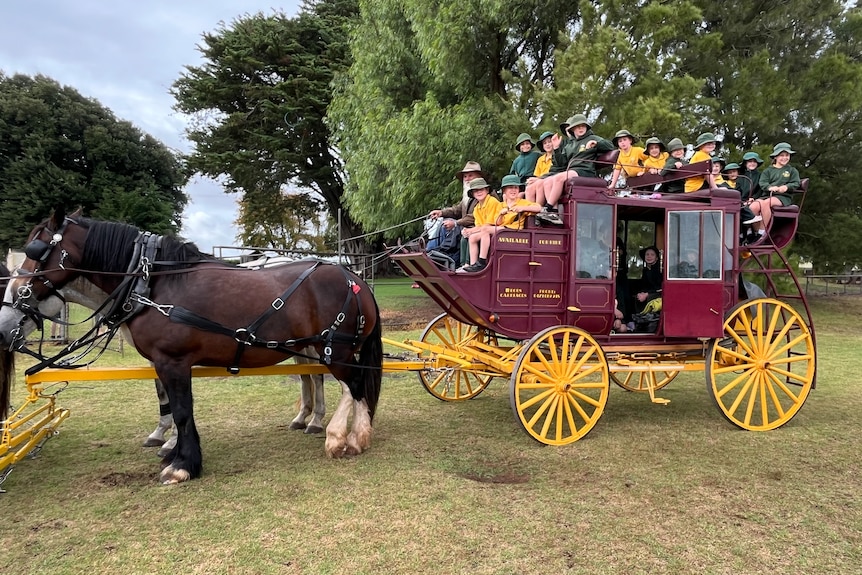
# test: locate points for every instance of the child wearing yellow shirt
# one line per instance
(705, 146)
(630, 158)
(656, 157)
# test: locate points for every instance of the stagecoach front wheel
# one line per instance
(761, 371)
(454, 383)
(560, 385)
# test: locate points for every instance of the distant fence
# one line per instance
(823, 285)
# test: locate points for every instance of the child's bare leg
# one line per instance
(554, 186)
(474, 247)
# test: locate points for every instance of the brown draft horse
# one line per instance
(184, 308)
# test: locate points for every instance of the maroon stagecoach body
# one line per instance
(539, 277)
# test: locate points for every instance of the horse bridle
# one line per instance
(39, 251)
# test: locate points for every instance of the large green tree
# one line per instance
(790, 71)
(59, 148)
(435, 84)
(258, 104)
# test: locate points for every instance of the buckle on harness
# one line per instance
(277, 303)
(242, 335)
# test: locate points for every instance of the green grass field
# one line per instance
(449, 487)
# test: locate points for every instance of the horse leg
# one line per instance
(185, 461)
(316, 383)
(360, 433)
(157, 437)
(306, 402)
(336, 432)
(311, 401)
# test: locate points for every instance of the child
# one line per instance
(705, 146)
(492, 215)
(731, 173)
(675, 161)
(525, 164)
(717, 168)
(775, 181)
(630, 158)
(574, 156)
(749, 182)
(656, 156)
(546, 151)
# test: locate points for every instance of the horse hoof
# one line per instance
(171, 475)
(313, 429)
(163, 452)
(297, 425)
(153, 442)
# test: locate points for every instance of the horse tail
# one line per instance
(7, 371)
(371, 362)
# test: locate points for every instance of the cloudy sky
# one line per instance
(126, 54)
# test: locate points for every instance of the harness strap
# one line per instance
(352, 289)
(244, 336)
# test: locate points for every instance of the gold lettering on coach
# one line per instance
(547, 294)
(512, 293)
(511, 240)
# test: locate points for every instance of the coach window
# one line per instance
(695, 245)
(595, 238)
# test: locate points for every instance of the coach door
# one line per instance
(693, 290)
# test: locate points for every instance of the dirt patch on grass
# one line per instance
(417, 315)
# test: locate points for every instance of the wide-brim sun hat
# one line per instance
(719, 160)
(623, 134)
(468, 167)
(674, 145)
(544, 136)
(705, 138)
(573, 121)
(511, 180)
(478, 184)
(781, 147)
(752, 156)
(731, 166)
(654, 140)
(524, 137)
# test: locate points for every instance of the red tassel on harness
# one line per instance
(356, 288)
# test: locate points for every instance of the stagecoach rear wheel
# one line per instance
(560, 385)
(761, 371)
(640, 380)
(454, 384)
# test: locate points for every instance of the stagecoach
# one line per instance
(541, 314)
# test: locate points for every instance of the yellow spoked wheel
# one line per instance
(454, 383)
(640, 380)
(761, 371)
(560, 385)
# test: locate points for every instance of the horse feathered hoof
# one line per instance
(171, 475)
(153, 442)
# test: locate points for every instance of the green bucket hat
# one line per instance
(654, 140)
(545, 136)
(720, 160)
(705, 138)
(623, 134)
(781, 147)
(511, 180)
(575, 120)
(478, 184)
(731, 166)
(752, 156)
(524, 137)
(674, 145)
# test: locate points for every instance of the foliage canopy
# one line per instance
(60, 148)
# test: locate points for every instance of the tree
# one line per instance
(60, 148)
(435, 84)
(258, 105)
(432, 85)
(790, 71)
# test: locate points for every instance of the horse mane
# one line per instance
(110, 247)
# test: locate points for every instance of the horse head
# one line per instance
(53, 251)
